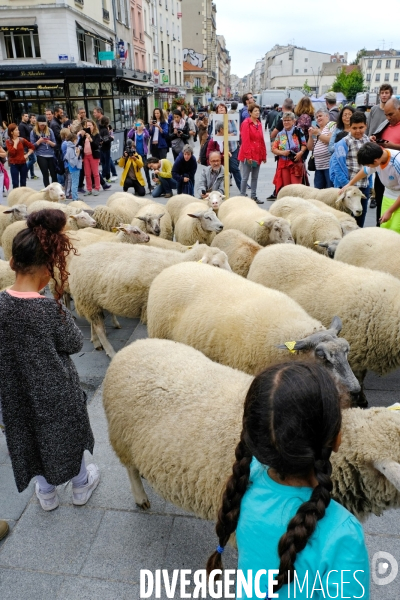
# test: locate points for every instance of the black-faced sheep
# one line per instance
(175, 418)
(255, 321)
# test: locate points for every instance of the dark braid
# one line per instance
(303, 524)
(228, 514)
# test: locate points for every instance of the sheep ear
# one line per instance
(142, 219)
(195, 215)
(88, 211)
(336, 324)
(160, 215)
(363, 197)
(340, 199)
(222, 196)
(8, 212)
(390, 469)
(73, 217)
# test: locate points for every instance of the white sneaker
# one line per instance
(47, 501)
(82, 494)
(113, 178)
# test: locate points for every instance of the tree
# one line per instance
(306, 88)
(349, 83)
(359, 55)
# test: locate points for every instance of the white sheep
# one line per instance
(197, 223)
(8, 237)
(106, 218)
(80, 204)
(53, 192)
(126, 205)
(159, 242)
(214, 200)
(18, 212)
(259, 224)
(7, 275)
(239, 248)
(80, 220)
(178, 203)
(373, 247)
(347, 222)
(239, 323)
(154, 218)
(308, 224)
(367, 301)
(348, 201)
(45, 204)
(131, 270)
(175, 418)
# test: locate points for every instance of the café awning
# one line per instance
(18, 25)
(87, 30)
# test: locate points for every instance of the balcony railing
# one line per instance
(106, 14)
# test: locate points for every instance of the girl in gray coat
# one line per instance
(44, 412)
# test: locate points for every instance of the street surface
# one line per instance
(97, 551)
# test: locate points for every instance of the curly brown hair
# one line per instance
(304, 107)
(44, 243)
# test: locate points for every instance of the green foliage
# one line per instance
(178, 102)
(198, 90)
(349, 83)
(307, 89)
(359, 55)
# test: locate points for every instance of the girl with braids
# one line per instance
(44, 412)
(278, 498)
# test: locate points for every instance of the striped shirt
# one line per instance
(321, 151)
(389, 174)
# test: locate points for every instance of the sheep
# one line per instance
(7, 275)
(80, 204)
(197, 224)
(43, 204)
(53, 192)
(126, 205)
(106, 218)
(214, 200)
(367, 301)
(177, 203)
(237, 324)
(79, 221)
(8, 236)
(347, 222)
(348, 201)
(119, 281)
(158, 242)
(373, 248)
(259, 224)
(175, 418)
(9, 215)
(308, 224)
(239, 248)
(154, 218)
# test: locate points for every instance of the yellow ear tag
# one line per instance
(260, 222)
(316, 243)
(114, 229)
(201, 260)
(290, 346)
(189, 247)
(395, 406)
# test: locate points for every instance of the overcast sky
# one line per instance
(252, 28)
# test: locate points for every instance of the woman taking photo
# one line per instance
(318, 141)
(158, 129)
(17, 157)
(252, 151)
(289, 146)
(90, 142)
(342, 127)
(140, 137)
(42, 137)
(278, 498)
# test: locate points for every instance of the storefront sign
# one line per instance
(63, 57)
(162, 71)
(32, 73)
(106, 55)
(19, 29)
(165, 79)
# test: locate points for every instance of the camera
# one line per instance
(130, 148)
(87, 130)
(154, 122)
(292, 155)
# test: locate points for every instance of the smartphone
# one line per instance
(86, 130)
(154, 122)
(380, 141)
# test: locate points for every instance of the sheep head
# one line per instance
(215, 199)
(152, 223)
(350, 201)
(83, 219)
(215, 259)
(330, 350)
(331, 247)
(18, 212)
(54, 192)
(132, 234)
(208, 220)
(278, 229)
(366, 469)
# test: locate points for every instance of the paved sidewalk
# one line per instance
(97, 551)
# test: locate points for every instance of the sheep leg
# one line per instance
(360, 399)
(115, 323)
(138, 492)
(99, 328)
(94, 339)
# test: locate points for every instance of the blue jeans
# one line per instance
(105, 163)
(75, 184)
(180, 185)
(322, 180)
(112, 168)
(234, 168)
(361, 219)
(165, 186)
(30, 163)
(18, 175)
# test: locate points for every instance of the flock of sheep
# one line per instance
(174, 402)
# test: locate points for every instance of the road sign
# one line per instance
(106, 55)
(162, 71)
(63, 57)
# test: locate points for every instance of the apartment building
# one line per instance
(169, 28)
(223, 68)
(199, 31)
(381, 66)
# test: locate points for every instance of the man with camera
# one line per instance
(162, 177)
(132, 164)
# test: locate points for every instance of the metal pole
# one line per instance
(226, 155)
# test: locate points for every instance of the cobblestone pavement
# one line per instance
(97, 551)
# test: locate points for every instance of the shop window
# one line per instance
(93, 88)
(106, 89)
(97, 49)
(76, 89)
(108, 109)
(22, 45)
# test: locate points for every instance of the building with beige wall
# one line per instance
(381, 66)
(199, 34)
(223, 68)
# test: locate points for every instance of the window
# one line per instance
(119, 15)
(82, 46)
(368, 77)
(306, 60)
(197, 82)
(388, 64)
(378, 77)
(162, 50)
(305, 70)
(397, 64)
(395, 89)
(386, 76)
(396, 77)
(169, 57)
(22, 46)
(379, 64)
(96, 48)
(370, 64)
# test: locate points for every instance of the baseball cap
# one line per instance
(330, 96)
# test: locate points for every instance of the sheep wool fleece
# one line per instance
(45, 416)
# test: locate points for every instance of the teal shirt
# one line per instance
(337, 543)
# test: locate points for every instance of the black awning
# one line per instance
(18, 28)
(94, 34)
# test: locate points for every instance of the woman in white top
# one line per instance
(158, 130)
(318, 142)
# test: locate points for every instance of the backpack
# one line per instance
(203, 152)
(59, 161)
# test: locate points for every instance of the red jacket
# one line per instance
(16, 156)
(253, 145)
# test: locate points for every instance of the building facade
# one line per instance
(381, 66)
(290, 68)
(196, 81)
(223, 69)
